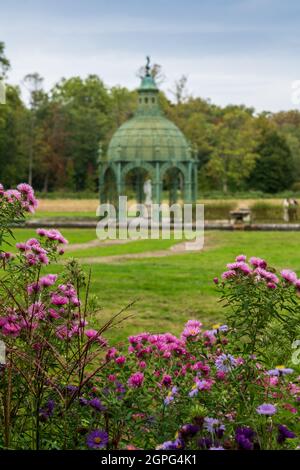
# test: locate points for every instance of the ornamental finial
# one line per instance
(148, 66)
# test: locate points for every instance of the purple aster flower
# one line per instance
(189, 430)
(71, 389)
(280, 371)
(171, 395)
(217, 328)
(83, 401)
(246, 431)
(225, 362)
(244, 438)
(47, 412)
(96, 404)
(172, 445)
(97, 439)
(194, 391)
(223, 328)
(266, 409)
(284, 433)
(212, 425)
(204, 443)
(243, 442)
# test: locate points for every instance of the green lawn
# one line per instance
(172, 289)
(63, 215)
(74, 236)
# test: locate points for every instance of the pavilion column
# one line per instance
(157, 185)
(188, 184)
(120, 184)
(174, 187)
(139, 187)
(120, 180)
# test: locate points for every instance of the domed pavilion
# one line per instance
(148, 147)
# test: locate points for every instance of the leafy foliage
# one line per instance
(55, 140)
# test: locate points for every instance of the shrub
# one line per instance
(62, 387)
(51, 352)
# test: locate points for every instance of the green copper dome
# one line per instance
(149, 135)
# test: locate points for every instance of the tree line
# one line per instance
(52, 141)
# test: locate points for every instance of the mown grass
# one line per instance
(73, 235)
(167, 291)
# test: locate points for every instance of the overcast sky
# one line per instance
(233, 51)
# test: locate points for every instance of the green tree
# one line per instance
(87, 105)
(4, 62)
(12, 156)
(288, 124)
(273, 170)
(234, 155)
(33, 83)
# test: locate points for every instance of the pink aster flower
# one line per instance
(289, 276)
(5, 255)
(22, 246)
(11, 329)
(166, 380)
(228, 274)
(67, 289)
(191, 330)
(54, 234)
(25, 188)
(193, 324)
(33, 288)
(120, 360)
(64, 333)
(37, 310)
(136, 380)
(93, 335)
(267, 275)
(48, 280)
(240, 266)
(53, 314)
(41, 232)
(57, 299)
(43, 258)
(258, 262)
(12, 195)
(241, 258)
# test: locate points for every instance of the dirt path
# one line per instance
(94, 244)
(179, 248)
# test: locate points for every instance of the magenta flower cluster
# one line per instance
(23, 195)
(257, 268)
